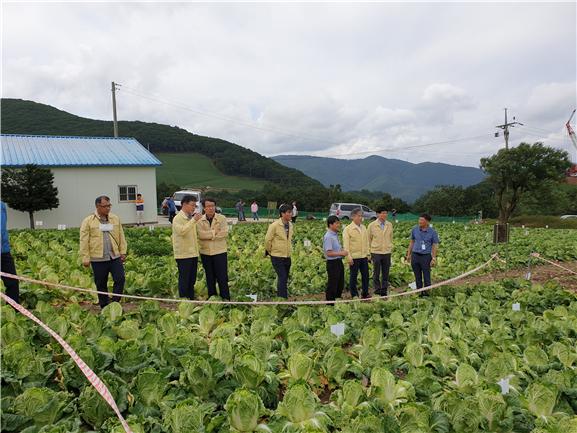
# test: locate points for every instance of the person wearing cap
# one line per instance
(334, 255)
(356, 242)
(380, 233)
(212, 233)
(278, 246)
(422, 252)
(185, 245)
(103, 246)
(12, 286)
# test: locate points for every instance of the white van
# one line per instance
(178, 195)
(343, 211)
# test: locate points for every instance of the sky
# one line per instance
(329, 79)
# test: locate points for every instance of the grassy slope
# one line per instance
(194, 169)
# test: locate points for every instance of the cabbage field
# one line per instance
(499, 356)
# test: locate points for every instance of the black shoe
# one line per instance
(365, 296)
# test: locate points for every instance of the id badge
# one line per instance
(106, 227)
(423, 246)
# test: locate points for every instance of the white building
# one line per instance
(85, 168)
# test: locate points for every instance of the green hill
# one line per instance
(196, 170)
(28, 117)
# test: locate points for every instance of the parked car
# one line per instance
(569, 217)
(343, 210)
(178, 195)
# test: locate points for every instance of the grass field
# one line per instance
(193, 169)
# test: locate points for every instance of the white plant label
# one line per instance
(528, 276)
(253, 297)
(505, 386)
(526, 232)
(61, 226)
(516, 306)
(38, 223)
(523, 226)
(150, 228)
(413, 285)
(547, 226)
(338, 329)
(307, 243)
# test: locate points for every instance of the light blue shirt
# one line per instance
(331, 243)
(424, 239)
(5, 240)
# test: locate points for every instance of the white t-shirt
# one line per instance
(295, 211)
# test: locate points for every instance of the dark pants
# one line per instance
(12, 287)
(282, 267)
(421, 264)
(216, 270)
(336, 279)
(294, 219)
(381, 268)
(101, 271)
(187, 269)
(363, 266)
(171, 216)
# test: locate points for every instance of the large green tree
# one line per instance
(516, 171)
(29, 189)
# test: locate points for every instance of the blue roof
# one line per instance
(57, 151)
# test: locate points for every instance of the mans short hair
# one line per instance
(356, 211)
(284, 208)
(209, 199)
(138, 195)
(188, 199)
(332, 219)
(426, 216)
(100, 198)
(381, 209)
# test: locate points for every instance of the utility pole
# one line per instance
(114, 119)
(505, 128)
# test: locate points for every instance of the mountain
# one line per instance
(399, 178)
(27, 117)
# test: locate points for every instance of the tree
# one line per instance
(514, 172)
(29, 189)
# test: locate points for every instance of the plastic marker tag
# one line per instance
(523, 226)
(528, 276)
(526, 232)
(413, 285)
(516, 306)
(61, 226)
(38, 223)
(253, 297)
(307, 243)
(547, 226)
(150, 228)
(505, 386)
(338, 329)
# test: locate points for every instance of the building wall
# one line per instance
(79, 186)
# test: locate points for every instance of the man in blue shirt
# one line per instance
(334, 255)
(171, 209)
(422, 252)
(12, 287)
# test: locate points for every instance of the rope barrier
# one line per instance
(538, 256)
(252, 303)
(94, 380)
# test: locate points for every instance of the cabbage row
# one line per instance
(462, 360)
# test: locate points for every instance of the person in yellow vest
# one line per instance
(212, 233)
(103, 245)
(380, 234)
(185, 245)
(277, 244)
(356, 242)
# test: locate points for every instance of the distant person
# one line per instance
(164, 206)
(254, 210)
(103, 246)
(277, 245)
(334, 255)
(380, 234)
(422, 252)
(185, 245)
(356, 242)
(239, 206)
(171, 209)
(139, 210)
(8, 266)
(394, 213)
(294, 212)
(212, 231)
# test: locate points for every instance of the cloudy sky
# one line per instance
(342, 80)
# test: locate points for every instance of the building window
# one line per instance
(126, 193)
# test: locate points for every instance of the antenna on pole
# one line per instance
(114, 119)
(505, 128)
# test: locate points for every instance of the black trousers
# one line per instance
(216, 271)
(101, 271)
(294, 219)
(421, 264)
(363, 266)
(282, 267)
(12, 286)
(381, 268)
(187, 269)
(336, 279)
(171, 216)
